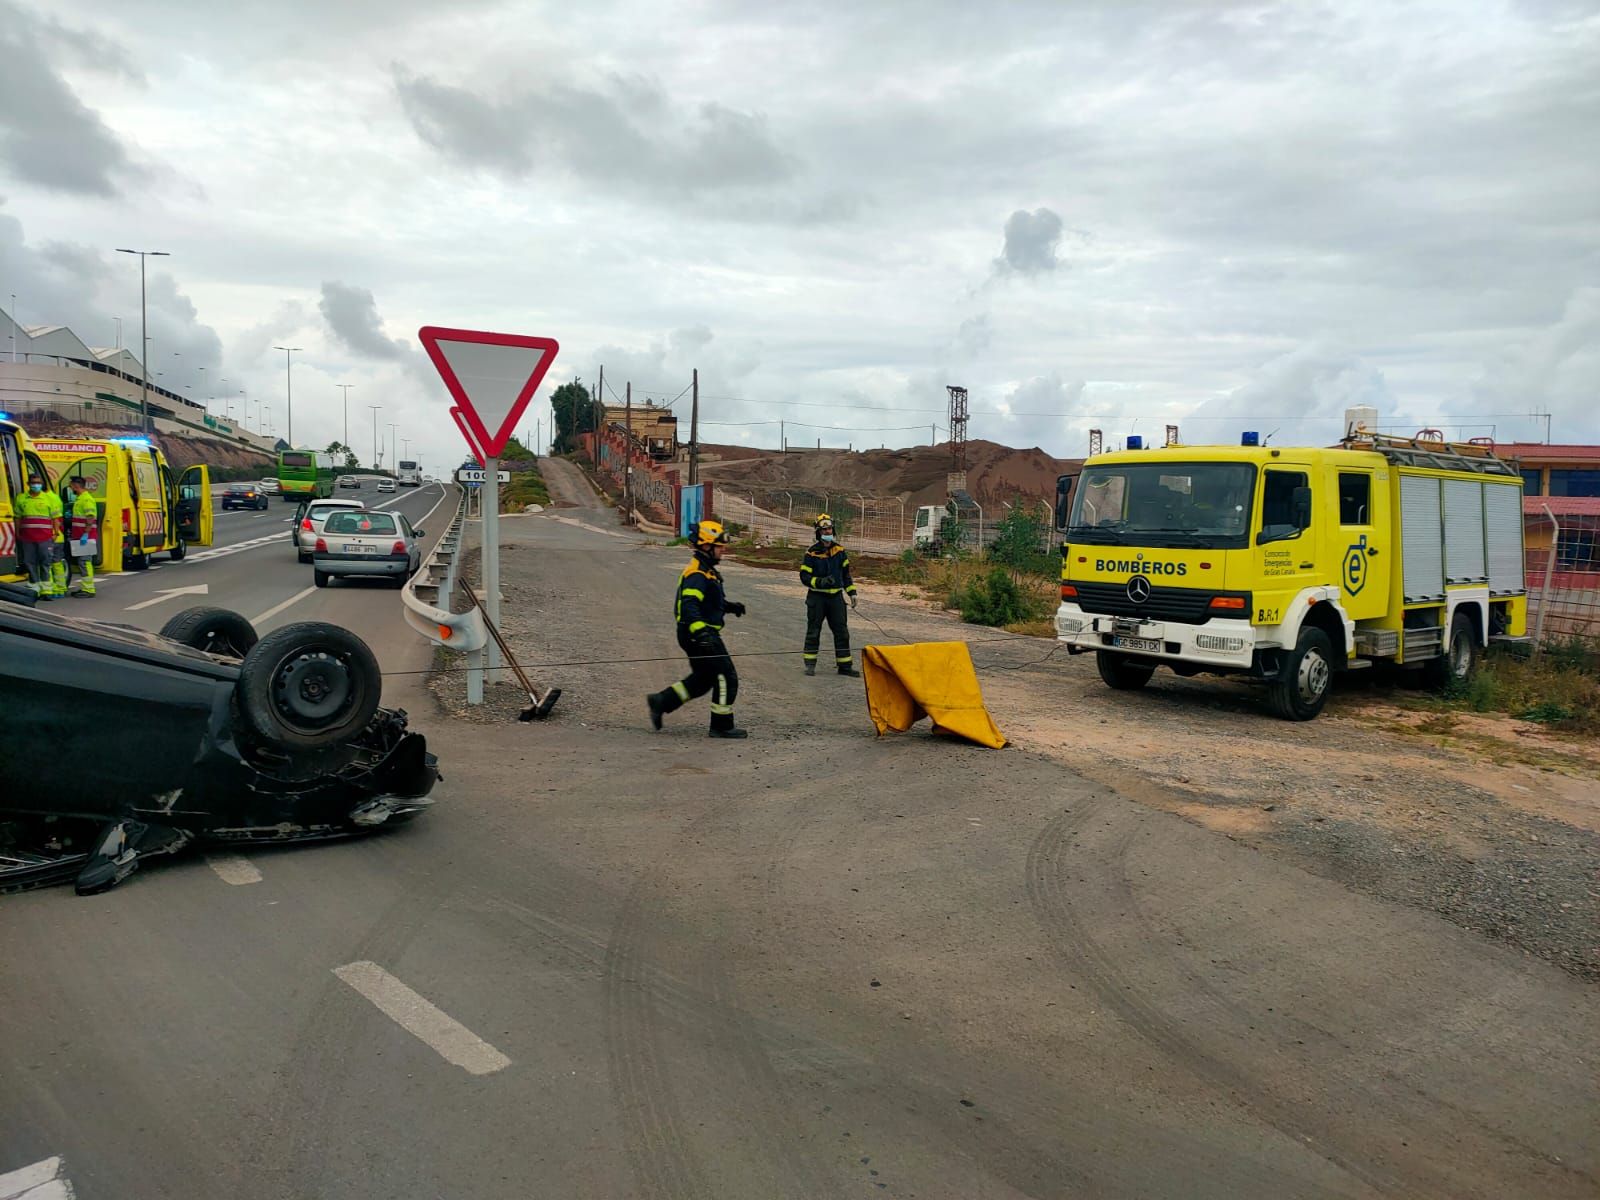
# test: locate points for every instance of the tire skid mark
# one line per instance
(1075, 945)
(662, 1161)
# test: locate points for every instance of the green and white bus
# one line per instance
(305, 474)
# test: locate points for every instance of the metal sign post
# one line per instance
(491, 557)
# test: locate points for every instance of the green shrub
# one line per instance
(995, 599)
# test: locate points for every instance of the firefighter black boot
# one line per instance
(722, 727)
(657, 708)
(847, 667)
(811, 666)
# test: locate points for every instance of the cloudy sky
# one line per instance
(1105, 215)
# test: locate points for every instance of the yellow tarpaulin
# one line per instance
(927, 679)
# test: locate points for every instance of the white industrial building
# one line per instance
(48, 374)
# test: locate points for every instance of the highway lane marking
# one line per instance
(278, 608)
(442, 1033)
(42, 1180)
(233, 869)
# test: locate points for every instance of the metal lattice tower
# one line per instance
(958, 428)
(1096, 442)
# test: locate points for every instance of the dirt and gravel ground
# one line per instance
(1163, 946)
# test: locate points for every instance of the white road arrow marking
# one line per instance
(166, 594)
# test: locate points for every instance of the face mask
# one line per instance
(828, 537)
(36, 487)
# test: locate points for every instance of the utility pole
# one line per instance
(288, 389)
(694, 432)
(346, 388)
(627, 459)
(144, 335)
(377, 459)
(599, 414)
(393, 457)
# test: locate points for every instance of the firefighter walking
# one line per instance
(38, 521)
(700, 609)
(83, 530)
(825, 572)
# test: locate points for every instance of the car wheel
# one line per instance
(138, 562)
(214, 630)
(1459, 662)
(320, 578)
(177, 552)
(308, 686)
(1302, 687)
(1121, 672)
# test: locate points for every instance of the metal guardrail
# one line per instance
(428, 594)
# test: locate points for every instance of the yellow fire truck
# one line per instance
(1289, 564)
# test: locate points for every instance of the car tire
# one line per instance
(1122, 673)
(320, 578)
(137, 562)
(1301, 689)
(214, 630)
(178, 552)
(1459, 662)
(308, 687)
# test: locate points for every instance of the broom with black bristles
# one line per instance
(538, 708)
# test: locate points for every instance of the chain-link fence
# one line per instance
(1563, 580)
(866, 524)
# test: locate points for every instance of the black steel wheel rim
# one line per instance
(312, 689)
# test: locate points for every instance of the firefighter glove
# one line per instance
(734, 608)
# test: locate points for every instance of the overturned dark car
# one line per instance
(117, 744)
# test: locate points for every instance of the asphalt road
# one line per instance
(614, 963)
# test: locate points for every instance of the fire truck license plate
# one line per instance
(1133, 643)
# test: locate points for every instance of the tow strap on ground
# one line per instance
(928, 679)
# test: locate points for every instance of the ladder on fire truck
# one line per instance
(1429, 449)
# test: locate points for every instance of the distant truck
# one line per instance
(957, 524)
(1290, 565)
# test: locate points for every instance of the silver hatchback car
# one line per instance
(366, 542)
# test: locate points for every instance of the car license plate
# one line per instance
(355, 549)
(1133, 643)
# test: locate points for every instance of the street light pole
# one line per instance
(288, 389)
(392, 455)
(377, 459)
(144, 335)
(346, 388)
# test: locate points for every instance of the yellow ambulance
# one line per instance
(17, 461)
(145, 507)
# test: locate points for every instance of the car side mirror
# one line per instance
(419, 533)
(1063, 500)
(1301, 506)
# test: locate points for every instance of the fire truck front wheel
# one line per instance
(1301, 689)
(1121, 672)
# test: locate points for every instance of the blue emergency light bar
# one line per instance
(4, 416)
(1250, 439)
(132, 441)
(1135, 441)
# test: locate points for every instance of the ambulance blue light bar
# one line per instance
(132, 441)
(1250, 439)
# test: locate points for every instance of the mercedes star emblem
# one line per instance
(1138, 589)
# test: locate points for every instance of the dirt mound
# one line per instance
(917, 475)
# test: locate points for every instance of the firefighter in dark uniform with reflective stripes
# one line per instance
(700, 609)
(825, 571)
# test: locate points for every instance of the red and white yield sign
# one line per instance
(491, 376)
